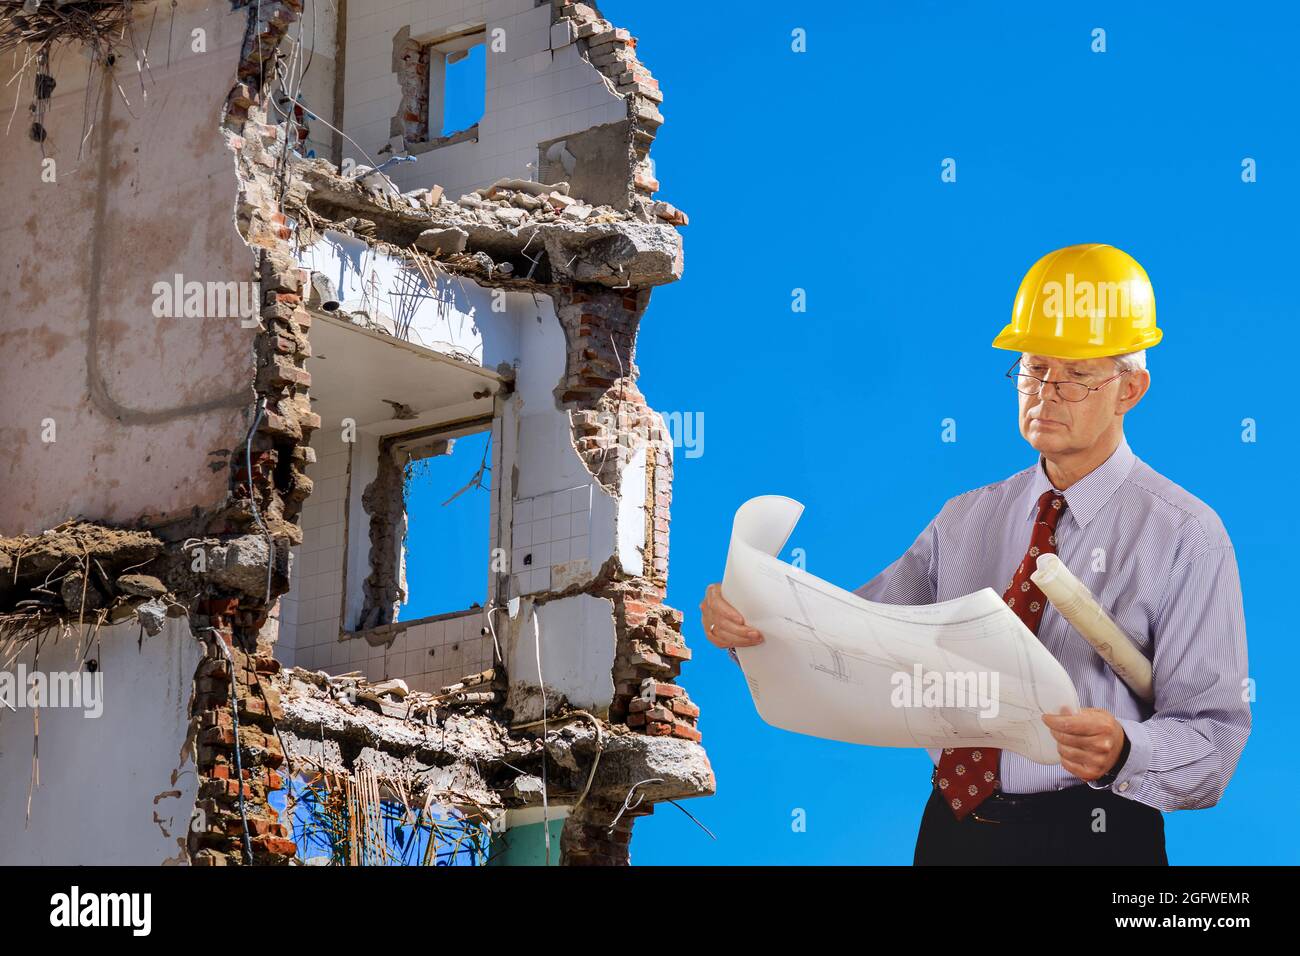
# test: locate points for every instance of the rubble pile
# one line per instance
(460, 747)
(507, 203)
(94, 574)
(512, 231)
(513, 202)
(392, 698)
(81, 571)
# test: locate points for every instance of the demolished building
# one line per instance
(256, 278)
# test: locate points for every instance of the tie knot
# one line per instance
(1050, 506)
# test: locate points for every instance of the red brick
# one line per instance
(647, 657)
(219, 607)
(261, 826)
(218, 736)
(278, 846)
(687, 732)
(685, 708)
(217, 718)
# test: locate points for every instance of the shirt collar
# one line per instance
(1087, 496)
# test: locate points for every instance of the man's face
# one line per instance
(1053, 425)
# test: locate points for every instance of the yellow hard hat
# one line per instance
(1082, 302)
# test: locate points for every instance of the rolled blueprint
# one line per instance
(1076, 604)
(961, 673)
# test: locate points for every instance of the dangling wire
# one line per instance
(239, 763)
(546, 819)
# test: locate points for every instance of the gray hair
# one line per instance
(1131, 361)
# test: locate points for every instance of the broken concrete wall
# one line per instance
(178, 410)
(534, 455)
(125, 414)
(115, 789)
(591, 462)
(554, 71)
(458, 752)
(594, 162)
(624, 443)
(235, 715)
(530, 312)
(578, 644)
(563, 524)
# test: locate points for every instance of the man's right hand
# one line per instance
(723, 624)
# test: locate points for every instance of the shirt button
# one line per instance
(1123, 786)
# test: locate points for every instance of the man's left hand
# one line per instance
(1089, 741)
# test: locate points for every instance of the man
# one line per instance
(1157, 558)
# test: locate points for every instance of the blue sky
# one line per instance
(466, 86)
(821, 171)
(439, 525)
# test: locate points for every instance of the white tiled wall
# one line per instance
(427, 654)
(550, 532)
(309, 613)
(535, 92)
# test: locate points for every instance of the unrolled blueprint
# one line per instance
(961, 673)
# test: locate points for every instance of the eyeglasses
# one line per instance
(1028, 384)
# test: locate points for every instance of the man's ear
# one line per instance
(1135, 385)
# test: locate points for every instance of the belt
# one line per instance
(1001, 807)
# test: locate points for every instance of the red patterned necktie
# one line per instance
(968, 775)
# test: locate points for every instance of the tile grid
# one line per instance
(549, 530)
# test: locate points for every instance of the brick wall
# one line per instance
(611, 420)
(268, 486)
(612, 51)
(217, 832)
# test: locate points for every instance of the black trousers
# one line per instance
(1066, 829)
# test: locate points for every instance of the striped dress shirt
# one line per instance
(1160, 561)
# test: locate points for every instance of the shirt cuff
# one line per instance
(1138, 762)
(1110, 776)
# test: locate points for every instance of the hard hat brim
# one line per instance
(1014, 341)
